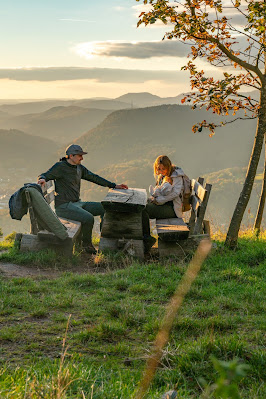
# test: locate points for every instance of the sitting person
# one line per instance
(67, 174)
(166, 197)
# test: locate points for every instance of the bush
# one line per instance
(10, 237)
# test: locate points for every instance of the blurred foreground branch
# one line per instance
(170, 314)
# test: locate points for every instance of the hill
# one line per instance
(145, 133)
(22, 158)
(21, 108)
(41, 106)
(21, 150)
(138, 100)
(103, 104)
(124, 146)
(62, 124)
(129, 100)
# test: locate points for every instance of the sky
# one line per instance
(84, 49)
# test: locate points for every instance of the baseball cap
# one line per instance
(75, 149)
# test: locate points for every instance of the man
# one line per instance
(67, 174)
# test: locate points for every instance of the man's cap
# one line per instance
(75, 149)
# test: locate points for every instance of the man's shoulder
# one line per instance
(60, 164)
(84, 168)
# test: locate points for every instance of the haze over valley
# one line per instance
(122, 145)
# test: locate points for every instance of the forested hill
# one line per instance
(19, 150)
(145, 133)
(61, 124)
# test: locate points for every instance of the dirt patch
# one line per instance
(11, 270)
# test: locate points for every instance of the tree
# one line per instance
(239, 49)
(258, 220)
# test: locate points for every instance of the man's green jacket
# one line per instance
(67, 180)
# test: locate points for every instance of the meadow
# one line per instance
(87, 332)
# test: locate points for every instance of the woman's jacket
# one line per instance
(171, 192)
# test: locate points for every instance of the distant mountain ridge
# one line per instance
(128, 100)
(143, 133)
(62, 124)
(146, 99)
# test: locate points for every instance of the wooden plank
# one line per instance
(172, 229)
(48, 193)
(206, 227)
(169, 224)
(48, 185)
(73, 227)
(131, 200)
(50, 237)
(201, 180)
(202, 210)
(49, 197)
(195, 207)
(192, 221)
(122, 225)
(195, 203)
(34, 228)
(131, 247)
(180, 248)
(199, 190)
(30, 242)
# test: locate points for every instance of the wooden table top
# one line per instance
(130, 200)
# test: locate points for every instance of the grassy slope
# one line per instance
(115, 317)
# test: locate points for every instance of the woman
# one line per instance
(166, 197)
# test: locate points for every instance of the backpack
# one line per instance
(187, 191)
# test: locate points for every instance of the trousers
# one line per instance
(83, 212)
(153, 211)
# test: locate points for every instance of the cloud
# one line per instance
(135, 50)
(141, 8)
(119, 8)
(75, 20)
(101, 75)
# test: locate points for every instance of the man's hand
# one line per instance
(122, 186)
(41, 182)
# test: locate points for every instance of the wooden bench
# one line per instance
(177, 237)
(40, 238)
(122, 224)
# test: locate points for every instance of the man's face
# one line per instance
(76, 159)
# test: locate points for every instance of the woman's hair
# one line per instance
(165, 161)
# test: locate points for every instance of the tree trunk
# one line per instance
(258, 220)
(232, 234)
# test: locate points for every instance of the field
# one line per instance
(85, 328)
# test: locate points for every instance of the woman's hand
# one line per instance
(152, 200)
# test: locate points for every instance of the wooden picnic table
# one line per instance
(122, 225)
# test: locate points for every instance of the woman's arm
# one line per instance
(164, 189)
(169, 193)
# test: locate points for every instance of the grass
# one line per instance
(115, 317)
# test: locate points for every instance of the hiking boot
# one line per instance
(148, 243)
(90, 249)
